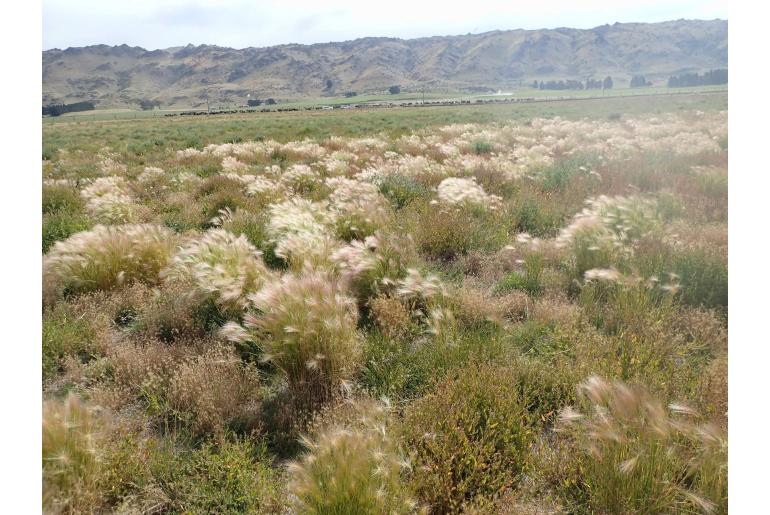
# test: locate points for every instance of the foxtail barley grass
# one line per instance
(71, 460)
(107, 257)
(351, 470)
(305, 325)
(644, 457)
(224, 267)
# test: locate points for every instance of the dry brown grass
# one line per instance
(214, 391)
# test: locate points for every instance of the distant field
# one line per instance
(402, 98)
(146, 137)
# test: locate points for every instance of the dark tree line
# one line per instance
(254, 102)
(57, 109)
(148, 105)
(594, 84)
(638, 81)
(573, 84)
(710, 78)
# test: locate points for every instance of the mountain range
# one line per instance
(185, 76)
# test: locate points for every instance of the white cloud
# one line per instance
(241, 23)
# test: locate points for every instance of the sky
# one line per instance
(154, 24)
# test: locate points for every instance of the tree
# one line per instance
(394, 90)
(59, 109)
(349, 94)
(607, 84)
(254, 102)
(638, 81)
(270, 102)
(593, 84)
(148, 105)
(535, 85)
(329, 84)
(711, 77)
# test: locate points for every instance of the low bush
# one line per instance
(215, 391)
(402, 190)
(528, 280)
(444, 234)
(703, 277)
(61, 198)
(60, 225)
(64, 334)
(469, 439)
(227, 476)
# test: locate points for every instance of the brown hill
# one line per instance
(184, 76)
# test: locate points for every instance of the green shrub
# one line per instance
(404, 368)
(61, 198)
(703, 277)
(626, 306)
(713, 184)
(528, 281)
(402, 190)
(537, 217)
(481, 147)
(544, 388)
(64, 335)
(232, 476)
(469, 439)
(60, 225)
(444, 234)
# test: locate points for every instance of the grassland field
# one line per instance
(108, 113)
(481, 309)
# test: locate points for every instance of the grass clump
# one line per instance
(640, 457)
(215, 391)
(305, 325)
(224, 268)
(71, 460)
(108, 256)
(353, 470)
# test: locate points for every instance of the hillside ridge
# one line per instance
(124, 75)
